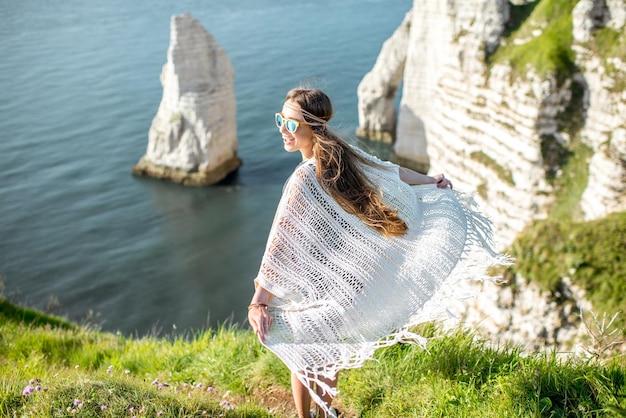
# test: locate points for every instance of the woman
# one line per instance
(355, 255)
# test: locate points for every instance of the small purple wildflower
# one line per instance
(38, 388)
(109, 369)
(209, 389)
(131, 409)
(77, 402)
(159, 413)
(103, 408)
(199, 385)
(28, 390)
(155, 382)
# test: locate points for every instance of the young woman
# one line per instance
(355, 254)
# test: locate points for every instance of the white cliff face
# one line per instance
(529, 317)
(605, 133)
(488, 130)
(478, 128)
(617, 14)
(605, 126)
(193, 137)
(587, 16)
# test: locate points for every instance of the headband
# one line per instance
(317, 121)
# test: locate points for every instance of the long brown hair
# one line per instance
(337, 166)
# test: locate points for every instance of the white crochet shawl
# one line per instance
(341, 289)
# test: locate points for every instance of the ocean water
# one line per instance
(79, 86)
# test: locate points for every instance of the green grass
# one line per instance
(79, 370)
(460, 377)
(70, 363)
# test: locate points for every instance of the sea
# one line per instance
(80, 236)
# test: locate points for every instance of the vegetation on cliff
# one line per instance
(591, 254)
(539, 36)
(610, 44)
(52, 368)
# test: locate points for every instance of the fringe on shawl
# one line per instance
(478, 255)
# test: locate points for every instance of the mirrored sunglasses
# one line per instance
(290, 124)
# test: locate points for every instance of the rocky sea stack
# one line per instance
(193, 137)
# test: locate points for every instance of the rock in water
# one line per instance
(193, 137)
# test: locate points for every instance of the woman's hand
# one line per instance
(442, 181)
(259, 319)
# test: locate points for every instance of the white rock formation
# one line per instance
(528, 317)
(377, 91)
(193, 137)
(617, 14)
(605, 133)
(483, 126)
(489, 130)
(587, 16)
(605, 125)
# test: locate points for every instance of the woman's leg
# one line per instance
(302, 397)
(326, 397)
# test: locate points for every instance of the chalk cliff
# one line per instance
(493, 128)
(193, 137)
(504, 129)
(605, 126)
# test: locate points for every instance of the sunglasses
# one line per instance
(291, 124)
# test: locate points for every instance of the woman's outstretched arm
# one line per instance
(413, 177)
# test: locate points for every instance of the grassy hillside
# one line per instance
(51, 368)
